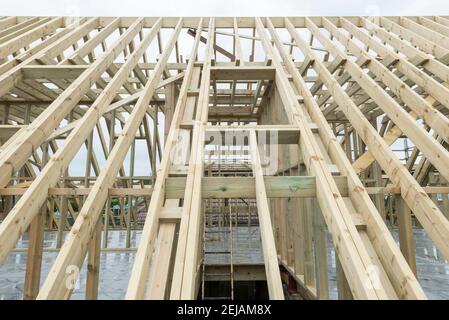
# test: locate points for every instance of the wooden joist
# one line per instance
(242, 73)
(52, 72)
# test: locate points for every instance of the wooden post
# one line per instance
(93, 264)
(309, 269)
(266, 230)
(34, 258)
(321, 266)
(406, 239)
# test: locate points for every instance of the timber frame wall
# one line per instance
(336, 92)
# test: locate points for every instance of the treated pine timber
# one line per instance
(137, 284)
(34, 197)
(401, 276)
(159, 277)
(330, 200)
(186, 271)
(242, 73)
(52, 72)
(429, 215)
(275, 290)
(224, 187)
(16, 154)
(70, 253)
(345, 133)
(436, 153)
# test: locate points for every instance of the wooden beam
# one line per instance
(242, 73)
(330, 200)
(137, 283)
(59, 162)
(13, 45)
(12, 158)
(275, 290)
(60, 76)
(82, 230)
(185, 279)
(52, 72)
(424, 208)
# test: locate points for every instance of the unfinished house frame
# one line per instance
(307, 128)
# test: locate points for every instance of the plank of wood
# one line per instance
(187, 260)
(138, 279)
(13, 45)
(52, 71)
(242, 73)
(275, 290)
(158, 281)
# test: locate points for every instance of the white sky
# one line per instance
(222, 7)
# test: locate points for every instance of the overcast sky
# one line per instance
(223, 7)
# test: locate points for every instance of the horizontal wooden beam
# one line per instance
(238, 135)
(7, 131)
(242, 73)
(53, 71)
(213, 187)
(278, 188)
(241, 187)
(242, 272)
